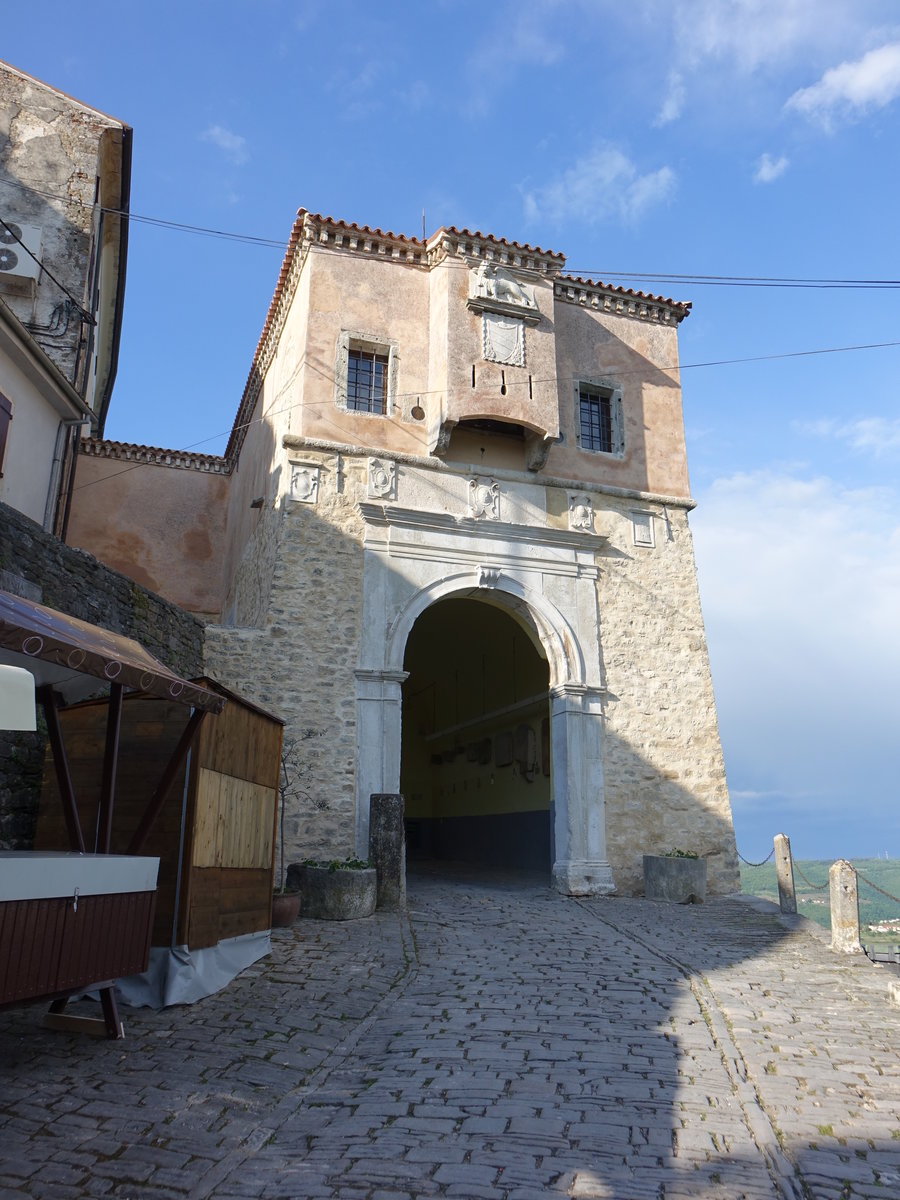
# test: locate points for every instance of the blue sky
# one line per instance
(688, 137)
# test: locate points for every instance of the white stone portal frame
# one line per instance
(392, 603)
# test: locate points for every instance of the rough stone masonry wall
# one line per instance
(664, 772)
(38, 566)
(299, 661)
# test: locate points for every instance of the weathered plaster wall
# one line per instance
(51, 144)
(37, 565)
(28, 461)
(162, 526)
(641, 357)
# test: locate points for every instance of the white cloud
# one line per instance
(674, 102)
(231, 144)
(879, 436)
(769, 169)
(800, 582)
(528, 32)
(758, 34)
(604, 183)
(852, 88)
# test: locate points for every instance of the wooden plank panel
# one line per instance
(206, 818)
(228, 903)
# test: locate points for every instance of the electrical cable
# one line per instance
(11, 230)
(723, 362)
(694, 280)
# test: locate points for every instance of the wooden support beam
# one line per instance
(158, 799)
(48, 699)
(110, 767)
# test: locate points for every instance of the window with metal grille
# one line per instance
(595, 407)
(367, 377)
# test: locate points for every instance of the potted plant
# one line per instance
(335, 890)
(286, 900)
(677, 876)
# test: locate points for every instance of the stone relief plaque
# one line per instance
(484, 499)
(305, 482)
(503, 339)
(581, 513)
(487, 282)
(488, 577)
(643, 529)
(382, 479)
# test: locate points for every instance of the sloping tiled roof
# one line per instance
(575, 283)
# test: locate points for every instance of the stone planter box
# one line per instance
(344, 894)
(676, 880)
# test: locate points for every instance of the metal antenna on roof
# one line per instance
(423, 225)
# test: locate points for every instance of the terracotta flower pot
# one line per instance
(285, 909)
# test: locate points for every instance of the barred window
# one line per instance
(600, 418)
(367, 375)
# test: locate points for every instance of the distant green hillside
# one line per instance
(812, 891)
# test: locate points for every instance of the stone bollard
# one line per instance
(844, 908)
(784, 870)
(387, 847)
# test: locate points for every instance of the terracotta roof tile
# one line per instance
(681, 305)
(497, 241)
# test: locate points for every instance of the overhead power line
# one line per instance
(694, 280)
(721, 362)
(765, 281)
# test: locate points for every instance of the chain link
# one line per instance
(748, 863)
(860, 875)
(816, 887)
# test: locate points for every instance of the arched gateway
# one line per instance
(400, 586)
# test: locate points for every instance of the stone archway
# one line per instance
(475, 767)
(580, 864)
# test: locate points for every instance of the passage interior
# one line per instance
(475, 767)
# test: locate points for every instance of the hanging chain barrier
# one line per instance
(860, 875)
(748, 863)
(816, 887)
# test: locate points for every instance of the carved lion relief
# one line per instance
(494, 283)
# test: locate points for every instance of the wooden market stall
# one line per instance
(81, 917)
(214, 832)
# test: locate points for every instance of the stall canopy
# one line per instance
(68, 655)
(69, 660)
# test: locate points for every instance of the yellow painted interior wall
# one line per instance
(474, 674)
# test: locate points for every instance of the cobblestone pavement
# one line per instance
(503, 1041)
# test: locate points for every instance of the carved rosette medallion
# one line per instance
(382, 479)
(305, 482)
(503, 339)
(581, 513)
(484, 499)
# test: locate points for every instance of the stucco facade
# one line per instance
(474, 583)
(64, 185)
